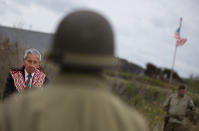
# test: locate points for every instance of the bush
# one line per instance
(11, 56)
(146, 95)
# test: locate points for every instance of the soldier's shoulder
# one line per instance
(188, 97)
(174, 95)
(129, 114)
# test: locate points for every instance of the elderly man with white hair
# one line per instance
(29, 76)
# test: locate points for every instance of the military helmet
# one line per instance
(84, 39)
(183, 86)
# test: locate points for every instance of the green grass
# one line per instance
(142, 79)
(146, 95)
(194, 86)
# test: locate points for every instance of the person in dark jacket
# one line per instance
(29, 75)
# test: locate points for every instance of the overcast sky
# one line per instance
(144, 29)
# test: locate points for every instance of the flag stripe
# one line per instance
(179, 41)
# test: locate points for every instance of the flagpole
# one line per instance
(174, 56)
(172, 68)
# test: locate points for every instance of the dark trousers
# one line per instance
(175, 127)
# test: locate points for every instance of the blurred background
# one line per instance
(144, 36)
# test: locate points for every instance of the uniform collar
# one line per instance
(176, 95)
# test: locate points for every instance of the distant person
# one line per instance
(178, 106)
(29, 75)
(79, 99)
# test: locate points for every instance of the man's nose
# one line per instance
(31, 64)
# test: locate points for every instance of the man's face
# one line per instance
(181, 92)
(31, 63)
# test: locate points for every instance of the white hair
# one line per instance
(32, 51)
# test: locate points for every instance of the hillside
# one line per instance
(147, 95)
(144, 93)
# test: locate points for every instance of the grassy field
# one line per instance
(142, 93)
(147, 95)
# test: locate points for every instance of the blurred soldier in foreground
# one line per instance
(79, 99)
(178, 106)
(29, 76)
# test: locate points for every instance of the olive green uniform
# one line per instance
(74, 102)
(177, 109)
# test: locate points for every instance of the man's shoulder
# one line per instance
(41, 72)
(14, 69)
(188, 97)
(174, 95)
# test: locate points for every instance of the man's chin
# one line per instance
(30, 71)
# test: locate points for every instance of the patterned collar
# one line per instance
(19, 80)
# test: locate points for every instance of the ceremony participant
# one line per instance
(29, 75)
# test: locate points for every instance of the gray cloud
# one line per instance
(7, 7)
(59, 6)
(144, 30)
(2, 7)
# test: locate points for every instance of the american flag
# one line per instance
(179, 41)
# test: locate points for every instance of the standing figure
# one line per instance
(177, 107)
